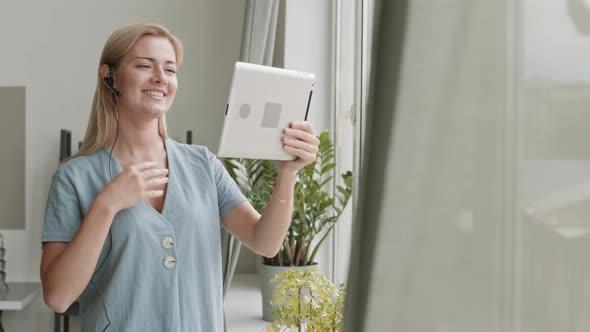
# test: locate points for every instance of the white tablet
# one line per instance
(262, 102)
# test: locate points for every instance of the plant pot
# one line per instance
(266, 273)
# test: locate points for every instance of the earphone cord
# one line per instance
(110, 234)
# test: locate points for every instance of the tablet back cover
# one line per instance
(262, 102)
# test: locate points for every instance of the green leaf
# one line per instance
(328, 167)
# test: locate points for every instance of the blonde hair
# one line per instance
(102, 124)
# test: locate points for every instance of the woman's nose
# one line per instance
(159, 77)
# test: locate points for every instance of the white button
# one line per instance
(169, 262)
(168, 242)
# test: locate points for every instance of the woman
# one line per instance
(132, 221)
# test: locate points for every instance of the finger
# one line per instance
(303, 155)
(144, 165)
(313, 149)
(154, 172)
(156, 182)
(153, 193)
(302, 135)
(303, 125)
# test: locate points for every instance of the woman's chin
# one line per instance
(156, 112)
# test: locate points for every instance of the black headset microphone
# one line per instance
(110, 84)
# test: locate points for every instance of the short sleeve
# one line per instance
(63, 214)
(228, 193)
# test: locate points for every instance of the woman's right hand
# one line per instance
(135, 183)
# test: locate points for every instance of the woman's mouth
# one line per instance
(152, 93)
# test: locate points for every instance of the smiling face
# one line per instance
(147, 79)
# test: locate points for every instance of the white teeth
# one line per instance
(153, 93)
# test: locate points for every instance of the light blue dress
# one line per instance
(163, 272)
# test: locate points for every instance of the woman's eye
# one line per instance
(171, 70)
(143, 66)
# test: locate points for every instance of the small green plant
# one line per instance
(316, 208)
(307, 299)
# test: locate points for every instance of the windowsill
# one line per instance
(243, 305)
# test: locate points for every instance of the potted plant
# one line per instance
(316, 209)
(307, 299)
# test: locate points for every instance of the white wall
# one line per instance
(308, 47)
(53, 48)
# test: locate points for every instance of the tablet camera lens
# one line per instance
(244, 111)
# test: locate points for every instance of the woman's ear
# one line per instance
(104, 71)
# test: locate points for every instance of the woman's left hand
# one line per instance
(299, 140)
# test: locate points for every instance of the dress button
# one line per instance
(167, 242)
(169, 262)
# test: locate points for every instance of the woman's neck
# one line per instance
(139, 143)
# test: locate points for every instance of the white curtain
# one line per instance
(432, 229)
(475, 209)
